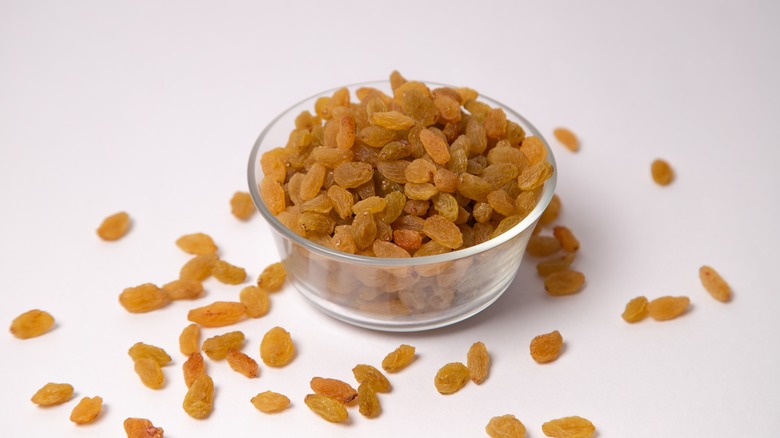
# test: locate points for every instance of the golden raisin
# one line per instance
(198, 268)
(216, 347)
(273, 195)
(374, 377)
(189, 340)
(183, 289)
(333, 388)
(555, 264)
(140, 350)
(543, 246)
(199, 401)
(270, 402)
(398, 359)
(143, 298)
(150, 372)
(478, 362)
(192, 368)
(636, 310)
(443, 232)
(714, 284)
(242, 363)
(256, 301)
(451, 378)
(31, 324)
(666, 308)
(53, 394)
(662, 172)
(241, 206)
(218, 314)
(114, 227)
(368, 402)
(565, 282)
(547, 347)
(567, 138)
(142, 428)
(551, 212)
(327, 408)
(87, 410)
(227, 273)
(197, 243)
(505, 426)
(277, 348)
(569, 427)
(569, 243)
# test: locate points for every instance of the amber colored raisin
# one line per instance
(666, 308)
(342, 200)
(53, 394)
(407, 239)
(451, 378)
(636, 310)
(241, 205)
(183, 289)
(218, 314)
(31, 324)
(143, 298)
(501, 202)
(542, 246)
(216, 347)
(242, 363)
(393, 120)
(551, 212)
(227, 273)
(272, 163)
(555, 264)
(474, 187)
(270, 402)
(277, 348)
(140, 350)
(142, 428)
(368, 402)
(505, 426)
(331, 157)
(376, 136)
(547, 347)
(150, 372)
(189, 340)
(368, 373)
(273, 195)
(436, 147)
(714, 284)
(477, 135)
(565, 282)
(199, 400)
(345, 137)
(569, 427)
(352, 174)
(197, 243)
(569, 242)
(333, 388)
(364, 230)
(192, 368)
(478, 362)
(327, 408)
(398, 359)
(256, 301)
(389, 250)
(662, 172)
(114, 227)
(87, 410)
(567, 138)
(372, 204)
(443, 232)
(198, 268)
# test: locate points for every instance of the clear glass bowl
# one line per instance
(396, 294)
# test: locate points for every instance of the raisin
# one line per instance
(352, 174)
(501, 202)
(567, 138)
(392, 120)
(87, 410)
(272, 163)
(333, 388)
(331, 157)
(31, 324)
(216, 347)
(241, 206)
(565, 282)
(505, 426)
(551, 212)
(478, 362)
(183, 289)
(270, 402)
(150, 372)
(534, 150)
(569, 243)
(53, 394)
(714, 284)
(197, 243)
(451, 378)
(569, 427)
(345, 137)
(143, 298)
(342, 200)
(218, 314)
(372, 204)
(368, 402)
(256, 301)
(443, 232)
(474, 187)
(636, 310)
(327, 408)
(242, 363)
(435, 146)
(662, 172)
(114, 227)
(192, 368)
(398, 359)
(666, 308)
(198, 268)
(199, 400)
(312, 182)
(277, 348)
(547, 347)
(142, 428)
(372, 376)
(543, 246)
(140, 350)
(555, 264)
(273, 195)
(189, 340)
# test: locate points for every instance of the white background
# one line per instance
(152, 107)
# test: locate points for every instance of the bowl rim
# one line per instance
(527, 222)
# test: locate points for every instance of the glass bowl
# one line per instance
(396, 294)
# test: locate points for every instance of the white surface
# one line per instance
(151, 107)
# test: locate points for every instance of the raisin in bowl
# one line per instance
(401, 205)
